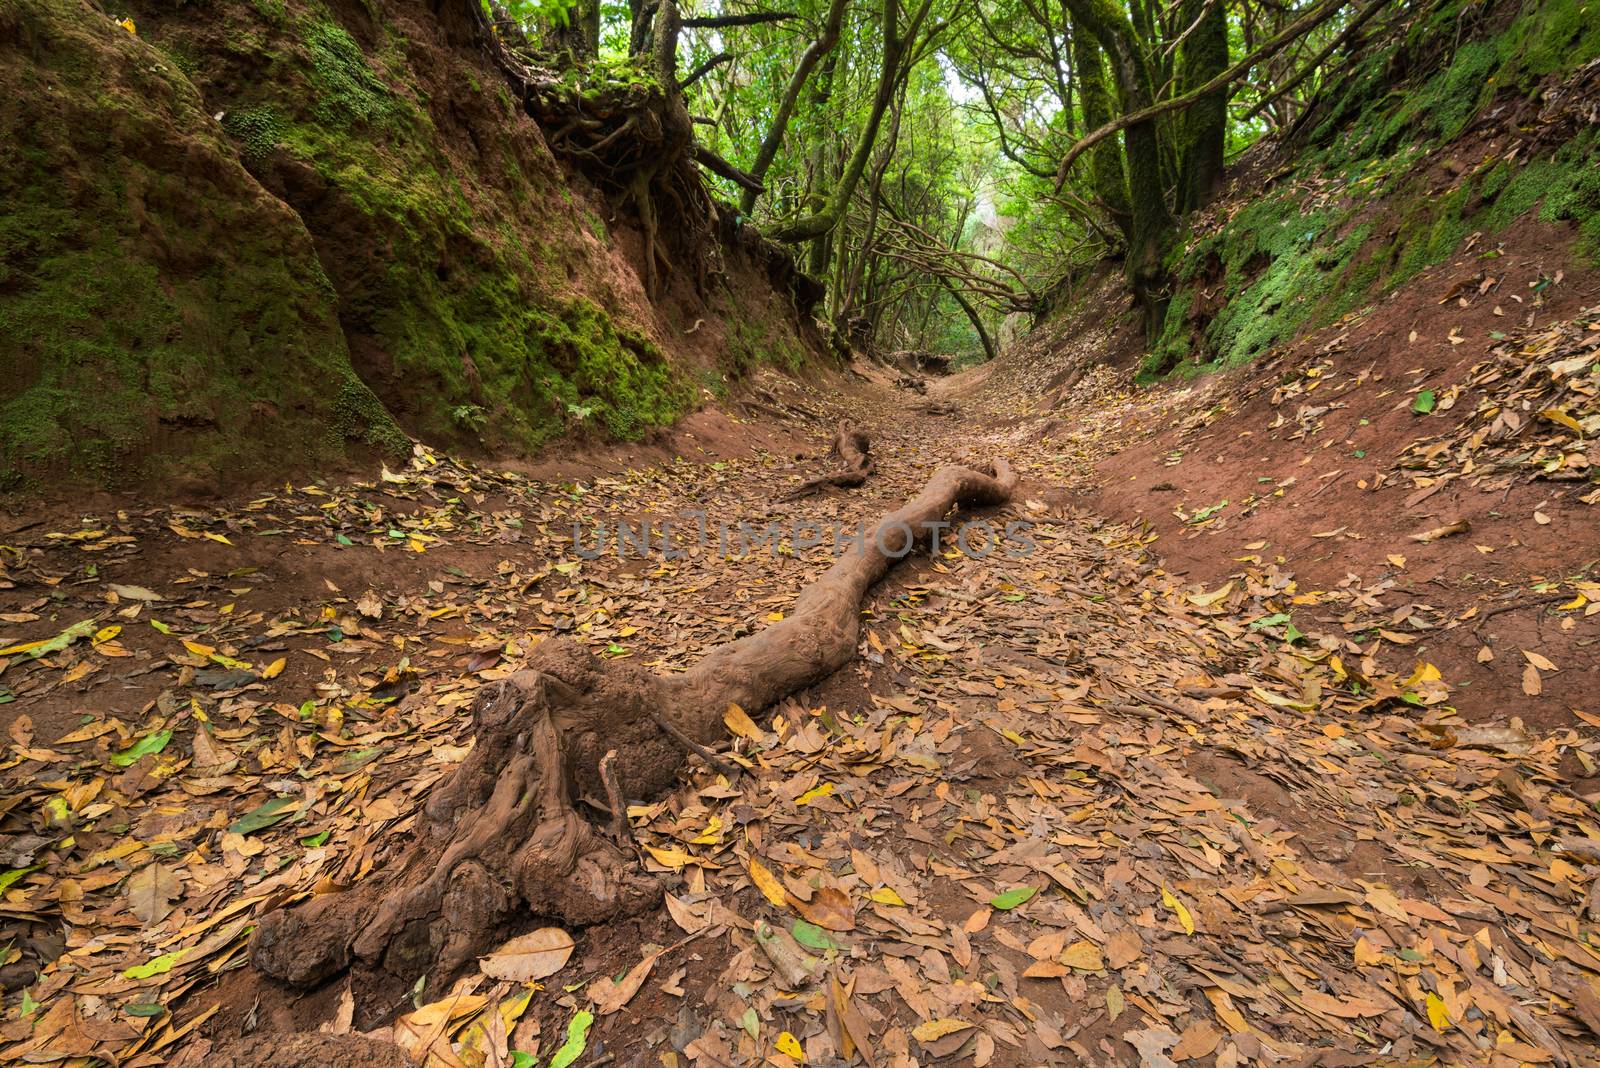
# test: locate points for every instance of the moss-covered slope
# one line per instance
(241, 236)
(476, 289)
(1459, 125)
(159, 312)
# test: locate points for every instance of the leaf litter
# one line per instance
(999, 836)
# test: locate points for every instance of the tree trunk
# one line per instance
(1204, 125)
(579, 34)
(770, 144)
(501, 840)
(896, 50)
(1152, 230)
(1105, 160)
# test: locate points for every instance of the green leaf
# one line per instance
(150, 743)
(342, 540)
(1424, 402)
(1012, 898)
(577, 1039)
(7, 878)
(1277, 619)
(520, 1059)
(278, 808)
(144, 1010)
(37, 649)
(315, 840)
(811, 936)
(1292, 634)
(158, 966)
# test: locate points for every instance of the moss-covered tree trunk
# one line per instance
(577, 31)
(1204, 125)
(1151, 231)
(1105, 159)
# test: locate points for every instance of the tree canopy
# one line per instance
(946, 166)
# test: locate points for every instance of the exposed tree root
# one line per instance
(501, 839)
(854, 448)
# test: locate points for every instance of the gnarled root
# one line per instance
(502, 838)
(854, 449)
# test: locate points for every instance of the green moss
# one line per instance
(257, 130)
(358, 414)
(274, 11)
(1175, 344)
(348, 90)
(152, 319)
(1455, 96)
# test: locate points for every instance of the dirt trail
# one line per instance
(1063, 808)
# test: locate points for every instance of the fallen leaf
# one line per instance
(150, 889)
(1010, 899)
(535, 955)
(829, 907)
(610, 994)
(933, 1030)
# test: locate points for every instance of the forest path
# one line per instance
(1061, 809)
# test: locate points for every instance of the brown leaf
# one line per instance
(609, 995)
(535, 955)
(1124, 947)
(829, 907)
(1532, 684)
(149, 891)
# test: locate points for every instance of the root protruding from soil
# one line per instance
(854, 449)
(501, 840)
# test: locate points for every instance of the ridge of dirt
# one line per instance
(1201, 466)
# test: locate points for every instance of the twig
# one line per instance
(693, 746)
(621, 829)
(1552, 599)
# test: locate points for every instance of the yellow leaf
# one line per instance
(933, 1030)
(105, 634)
(274, 669)
(223, 538)
(774, 617)
(1206, 600)
(127, 24)
(789, 1046)
(672, 858)
(1425, 672)
(197, 649)
(1437, 1016)
(766, 882)
(886, 896)
(1558, 416)
(815, 792)
(1170, 900)
(737, 721)
(1085, 955)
